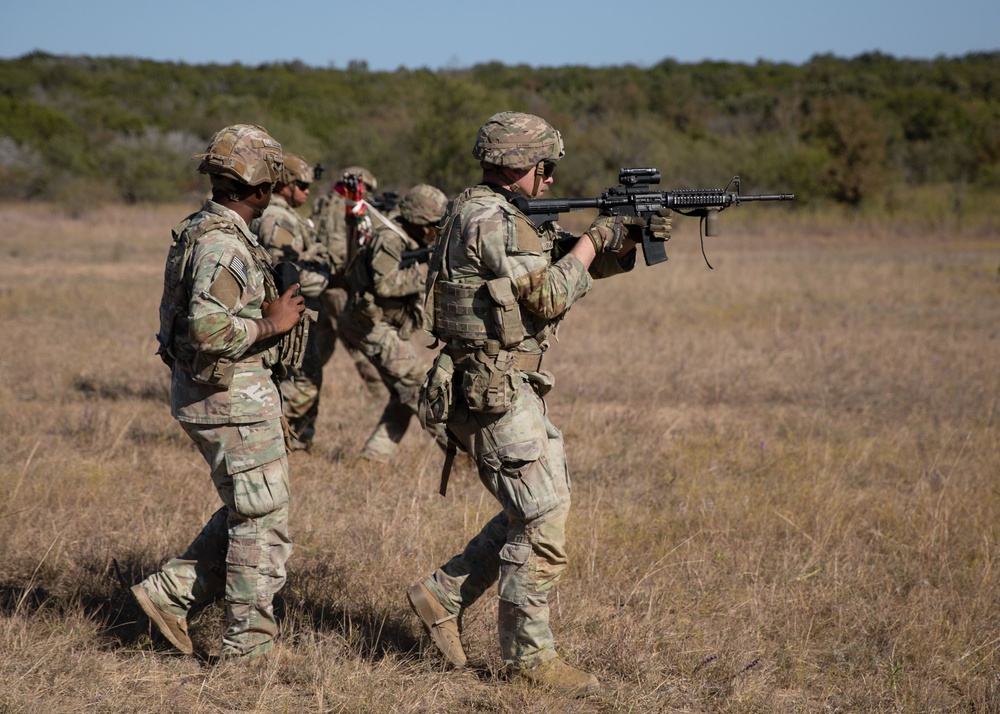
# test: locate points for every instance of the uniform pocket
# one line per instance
(513, 585)
(523, 481)
(258, 470)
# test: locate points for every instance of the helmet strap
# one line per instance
(539, 177)
(514, 186)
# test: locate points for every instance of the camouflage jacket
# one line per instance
(487, 237)
(380, 288)
(290, 237)
(225, 288)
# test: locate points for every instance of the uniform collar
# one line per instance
(505, 192)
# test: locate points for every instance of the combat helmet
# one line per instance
(296, 168)
(423, 205)
(244, 152)
(517, 140)
(367, 178)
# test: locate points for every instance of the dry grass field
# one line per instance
(784, 472)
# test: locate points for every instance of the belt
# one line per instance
(524, 361)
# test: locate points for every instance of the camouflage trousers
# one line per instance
(522, 463)
(402, 372)
(242, 549)
(327, 333)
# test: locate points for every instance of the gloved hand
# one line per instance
(608, 232)
(660, 224)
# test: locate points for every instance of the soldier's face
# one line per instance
(300, 193)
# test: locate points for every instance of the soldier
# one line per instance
(290, 237)
(329, 217)
(386, 289)
(221, 327)
(497, 289)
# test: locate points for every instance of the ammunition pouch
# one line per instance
(492, 376)
(436, 403)
(506, 312)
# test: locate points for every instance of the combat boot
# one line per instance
(441, 625)
(171, 626)
(560, 678)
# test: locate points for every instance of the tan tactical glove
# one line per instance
(608, 232)
(660, 224)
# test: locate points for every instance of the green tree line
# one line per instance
(846, 130)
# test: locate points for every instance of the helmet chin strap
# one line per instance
(257, 211)
(539, 177)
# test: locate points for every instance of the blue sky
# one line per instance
(388, 34)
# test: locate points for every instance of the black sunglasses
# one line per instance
(302, 185)
(548, 168)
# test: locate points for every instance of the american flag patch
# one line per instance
(238, 268)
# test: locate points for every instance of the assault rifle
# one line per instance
(416, 255)
(633, 197)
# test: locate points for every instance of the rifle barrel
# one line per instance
(769, 197)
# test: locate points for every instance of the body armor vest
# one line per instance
(474, 310)
(177, 278)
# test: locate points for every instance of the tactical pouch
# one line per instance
(437, 397)
(506, 314)
(212, 371)
(490, 383)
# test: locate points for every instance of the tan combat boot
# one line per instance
(441, 625)
(561, 678)
(171, 626)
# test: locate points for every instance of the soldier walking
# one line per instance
(386, 287)
(498, 287)
(221, 323)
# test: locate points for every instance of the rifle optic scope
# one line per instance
(630, 177)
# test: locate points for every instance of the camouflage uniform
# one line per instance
(500, 286)
(382, 311)
(329, 218)
(290, 237)
(223, 394)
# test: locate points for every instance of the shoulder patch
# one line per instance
(527, 238)
(239, 269)
(226, 288)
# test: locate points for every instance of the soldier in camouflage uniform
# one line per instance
(290, 237)
(329, 217)
(386, 292)
(498, 287)
(221, 321)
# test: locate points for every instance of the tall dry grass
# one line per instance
(784, 473)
